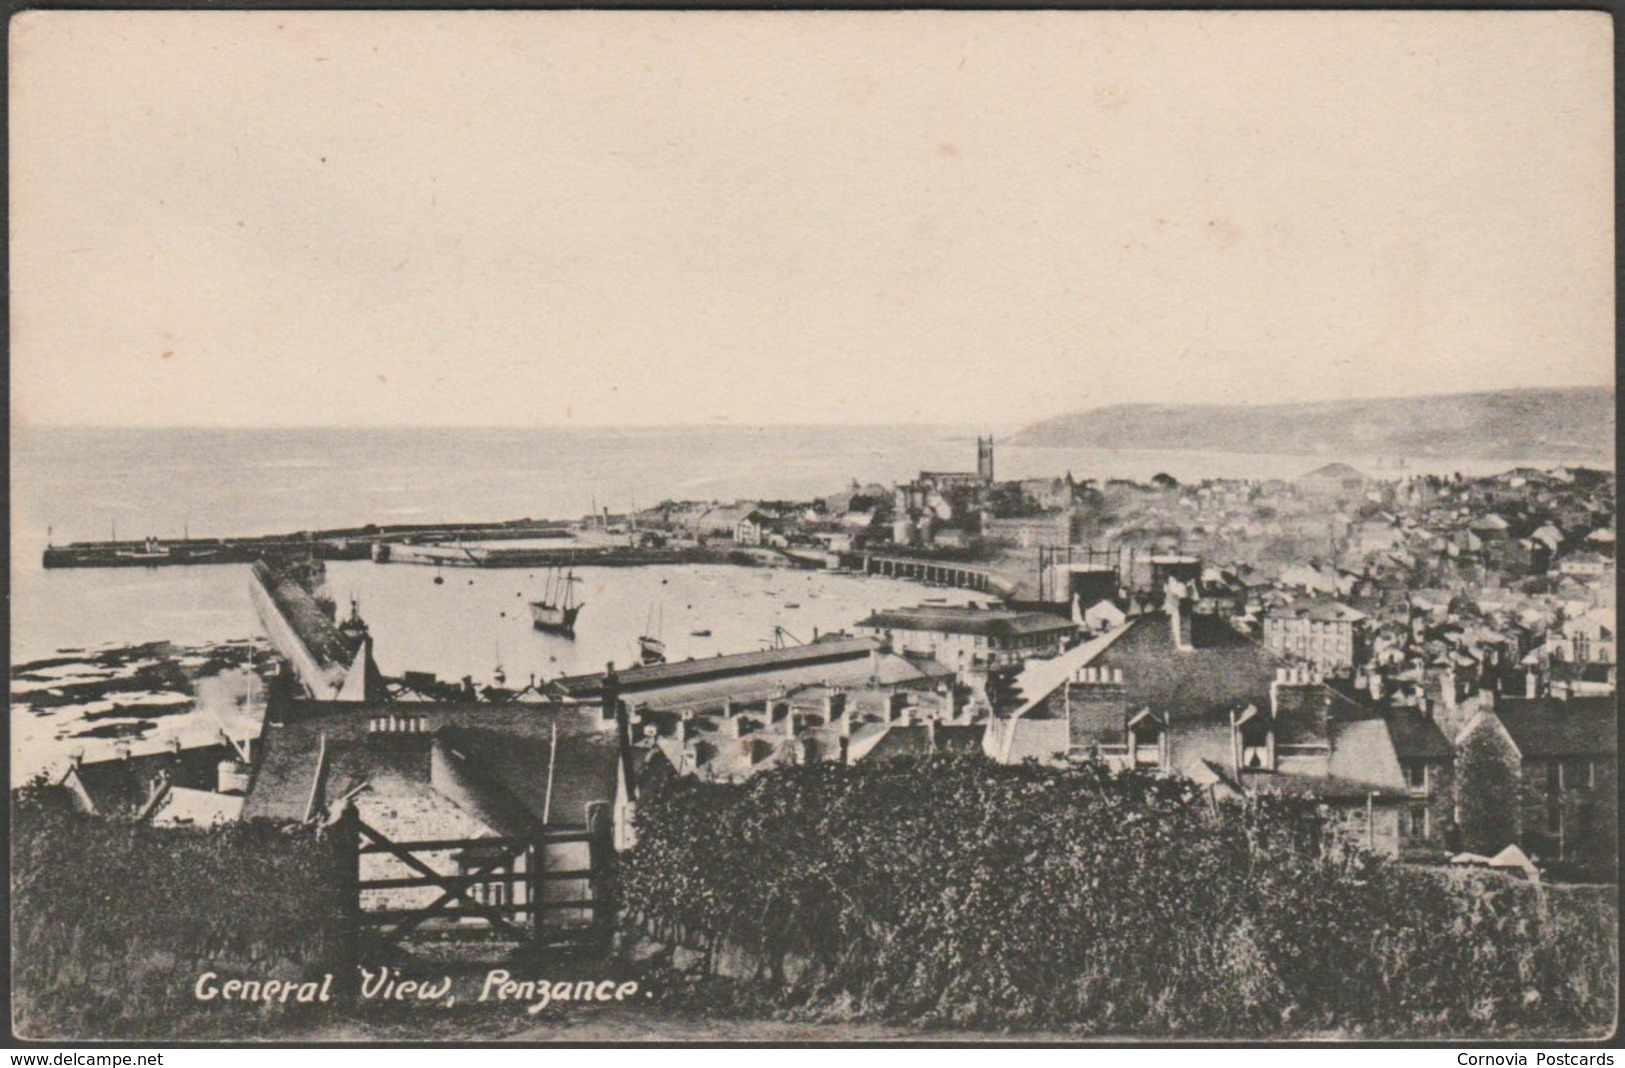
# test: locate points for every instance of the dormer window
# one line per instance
(1416, 777)
(1255, 742)
(1147, 740)
(1255, 748)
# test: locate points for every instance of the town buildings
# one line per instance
(1319, 632)
(1555, 780)
(1185, 693)
(972, 640)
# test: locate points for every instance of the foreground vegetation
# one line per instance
(113, 923)
(941, 893)
(951, 892)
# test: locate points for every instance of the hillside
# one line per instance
(1535, 424)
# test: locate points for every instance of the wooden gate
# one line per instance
(546, 891)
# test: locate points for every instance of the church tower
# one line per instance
(984, 459)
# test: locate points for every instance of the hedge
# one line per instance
(949, 891)
(113, 923)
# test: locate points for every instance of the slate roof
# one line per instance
(506, 748)
(1223, 670)
(894, 672)
(1416, 736)
(953, 619)
(123, 785)
(1318, 609)
(1552, 727)
(1198, 689)
(679, 672)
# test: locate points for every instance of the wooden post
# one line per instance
(600, 852)
(533, 887)
(347, 837)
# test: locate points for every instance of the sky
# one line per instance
(988, 218)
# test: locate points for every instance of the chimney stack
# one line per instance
(611, 692)
(1178, 607)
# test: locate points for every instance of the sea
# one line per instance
(79, 484)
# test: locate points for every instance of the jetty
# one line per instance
(331, 661)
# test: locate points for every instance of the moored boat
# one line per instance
(650, 646)
(556, 612)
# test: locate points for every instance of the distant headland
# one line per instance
(1569, 424)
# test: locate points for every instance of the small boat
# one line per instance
(792, 604)
(151, 552)
(557, 610)
(650, 647)
(699, 634)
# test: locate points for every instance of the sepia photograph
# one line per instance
(812, 527)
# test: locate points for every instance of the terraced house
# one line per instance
(1321, 633)
(1185, 693)
(1563, 756)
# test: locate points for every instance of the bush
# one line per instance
(950, 891)
(113, 923)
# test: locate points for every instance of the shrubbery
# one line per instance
(950, 891)
(113, 923)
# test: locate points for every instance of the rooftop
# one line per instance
(956, 619)
(1318, 610)
(1416, 736)
(680, 672)
(508, 749)
(1552, 727)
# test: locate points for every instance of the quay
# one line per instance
(573, 554)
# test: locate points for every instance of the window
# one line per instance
(1578, 774)
(1255, 753)
(1416, 777)
(1417, 824)
(1147, 748)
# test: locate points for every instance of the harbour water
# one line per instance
(81, 484)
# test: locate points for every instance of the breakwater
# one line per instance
(344, 543)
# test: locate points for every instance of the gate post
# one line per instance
(347, 837)
(533, 887)
(601, 851)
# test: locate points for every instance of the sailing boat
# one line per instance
(557, 610)
(650, 645)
